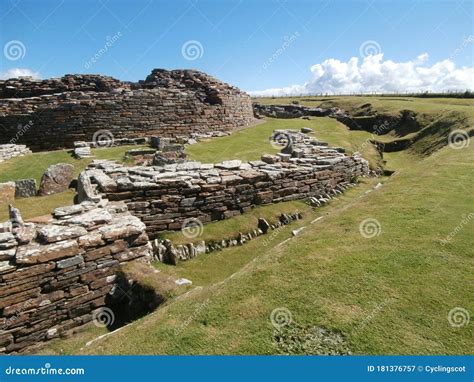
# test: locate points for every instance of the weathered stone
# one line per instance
(178, 103)
(126, 228)
(6, 227)
(25, 188)
(90, 219)
(36, 253)
(263, 225)
(66, 263)
(267, 158)
(56, 178)
(25, 233)
(7, 254)
(229, 165)
(85, 191)
(54, 233)
(6, 267)
(10, 150)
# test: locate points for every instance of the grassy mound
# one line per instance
(434, 118)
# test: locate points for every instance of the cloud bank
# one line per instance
(374, 74)
(18, 72)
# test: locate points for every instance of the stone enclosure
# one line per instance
(53, 114)
(163, 197)
(57, 275)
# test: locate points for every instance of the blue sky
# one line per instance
(252, 44)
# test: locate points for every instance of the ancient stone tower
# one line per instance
(53, 113)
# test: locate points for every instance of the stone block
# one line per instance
(25, 188)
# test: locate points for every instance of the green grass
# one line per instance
(251, 143)
(389, 105)
(436, 117)
(230, 228)
(34, 165)
(388, 295)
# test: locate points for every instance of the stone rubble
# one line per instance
(9, 151)
(165, 252)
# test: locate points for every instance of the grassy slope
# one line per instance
(251, 143)
(436, 116)
(388, 295)
(34, 165)
(332, 276)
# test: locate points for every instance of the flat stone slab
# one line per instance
(229, 164)
(35, 253)
(54, 233)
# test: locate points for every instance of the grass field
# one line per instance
(390, 294)
(251, 143)
(386, 294)
(34, 165)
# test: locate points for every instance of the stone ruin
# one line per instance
(55, 113)
(56, 276)
(164, 197)
(9, 151)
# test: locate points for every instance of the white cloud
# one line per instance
(373, 74)
(18, 72)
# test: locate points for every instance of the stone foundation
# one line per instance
(54, 277)
(164, 197)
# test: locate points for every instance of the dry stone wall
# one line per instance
(9, 151)
(53, 114)
(54, 277)
(164, 197)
